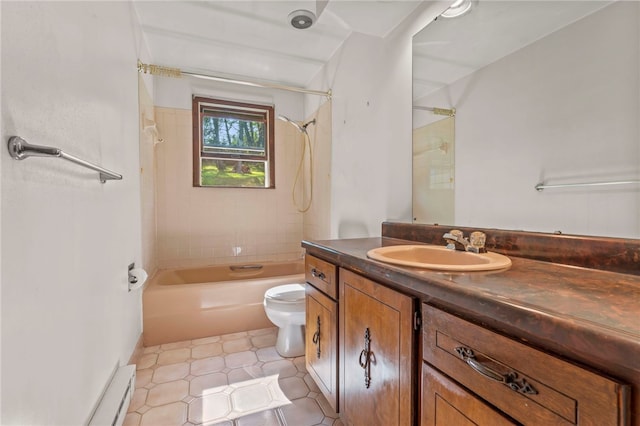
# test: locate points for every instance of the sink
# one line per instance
(440, 258)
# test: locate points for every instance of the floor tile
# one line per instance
(263, 340)
(240, 359)
(206, 340)
(171, 414)
(146, 361)
(207, 365)
(138, 399)
(206, 350)
(260, 331)
(169, 373)
(268, 354)
(244, 373)
(143, 377)
(294, 387)
(176, 345)
(168, 392)
(203, 385)
(262, 418)
(284, 368)
(236, 345)
(303, 412)
(151, 349)
(232, 380)
(132, 419)
(173, 356)
(209, 408)
(233, 336)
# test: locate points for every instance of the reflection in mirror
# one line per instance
(544, 92)
(433, 172)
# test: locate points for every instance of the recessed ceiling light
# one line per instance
(458, 8)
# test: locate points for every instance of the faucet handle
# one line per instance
(458, 234)
(453, 237)
(477, 240)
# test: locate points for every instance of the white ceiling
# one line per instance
(254, 39)
(449, 49)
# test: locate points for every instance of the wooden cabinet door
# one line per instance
(444, 403)
(376, 347)
(529, 385)
(321, 344)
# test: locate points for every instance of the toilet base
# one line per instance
(290, 342)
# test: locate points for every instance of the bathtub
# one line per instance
(185, 304)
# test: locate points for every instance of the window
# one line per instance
(233, 144)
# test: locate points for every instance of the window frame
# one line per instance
(240, 110)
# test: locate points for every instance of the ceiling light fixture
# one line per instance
(458, 8)
(302, 19)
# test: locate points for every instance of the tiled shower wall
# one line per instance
(204, 226)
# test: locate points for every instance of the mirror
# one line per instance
(544, 93)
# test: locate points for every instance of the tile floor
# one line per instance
(231, 380)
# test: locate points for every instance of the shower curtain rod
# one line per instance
(177, 73)
(438, 111)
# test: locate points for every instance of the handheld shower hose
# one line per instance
(307, 142)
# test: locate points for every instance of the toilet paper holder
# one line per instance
(136, 277)
(132, 278)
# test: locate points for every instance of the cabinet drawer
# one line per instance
(536, 388)
(322, 275)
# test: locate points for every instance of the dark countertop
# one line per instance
(586, 315)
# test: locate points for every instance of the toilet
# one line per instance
(285, 307)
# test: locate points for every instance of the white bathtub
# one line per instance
(184, 304)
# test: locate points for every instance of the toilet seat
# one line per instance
(288, 293)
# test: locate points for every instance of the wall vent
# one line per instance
(113, 406)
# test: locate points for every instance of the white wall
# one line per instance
(371, 147)
(564, 109)
(149, 140)
(69, 80)
(316, 223)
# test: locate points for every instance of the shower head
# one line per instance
(301, 128)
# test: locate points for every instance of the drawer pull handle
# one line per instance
(316, 337)
(510, 379)
(366, 357)
(315, 273)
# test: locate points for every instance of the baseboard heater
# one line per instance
(114, 403)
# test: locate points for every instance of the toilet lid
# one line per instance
(286, 293)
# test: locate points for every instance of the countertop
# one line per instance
(586, 315)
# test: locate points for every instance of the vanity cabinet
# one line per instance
(483, 370)
(445, 403)
(321, 331)
(377, 365)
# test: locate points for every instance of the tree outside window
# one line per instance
(232, 144)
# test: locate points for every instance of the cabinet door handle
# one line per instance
(365, 358)
(316, 337)
(509, 379)
(315, 273)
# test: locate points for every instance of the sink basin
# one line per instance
(440, 258)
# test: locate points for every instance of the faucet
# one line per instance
(456, 241)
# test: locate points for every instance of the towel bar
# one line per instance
(20, 149)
